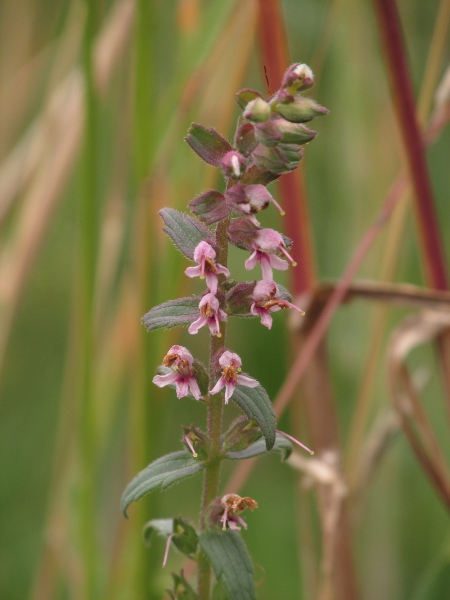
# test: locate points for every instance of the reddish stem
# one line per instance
(391, 38)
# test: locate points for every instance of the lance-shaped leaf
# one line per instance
(282, 445)
(230, 561)
(182, 311)
(210, 207)
(207, 143)
(162, 473)
(184, 536)
(257, 406)
(185, 231)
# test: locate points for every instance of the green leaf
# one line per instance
(162, 473)
(202, 377)
(257, 406)
(182, 311)
(185, 231)
(282, 445)
(219, 591)
(231, 563)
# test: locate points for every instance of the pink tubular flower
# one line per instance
(181, 361)
(266, 244)
(231, 367)
(210, 314)
(266, 300)
(204, 255)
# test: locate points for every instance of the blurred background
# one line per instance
(96, 98)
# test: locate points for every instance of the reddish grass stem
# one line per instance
(400, 80)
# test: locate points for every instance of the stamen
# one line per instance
(166, 553)
(188, 442)
(292, 439)
(302, 312)
(278, 207)
(288, 256)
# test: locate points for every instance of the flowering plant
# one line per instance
(268, 142)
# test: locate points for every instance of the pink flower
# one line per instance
(250, 199)
(210, 314)
(181, 361)
(229, 505)
(204, 255)
(266, 300)
(231, 367)
(266, 243)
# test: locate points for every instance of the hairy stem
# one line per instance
(214, 424)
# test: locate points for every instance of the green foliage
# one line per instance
(185, 231)
(257, 406)
(162, 473)
(181, 311)
(230, 562)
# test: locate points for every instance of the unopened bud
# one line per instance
(233, 164)
(258, 110)
(298, 77)
(301, 110)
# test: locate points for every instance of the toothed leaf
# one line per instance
(182, 311)
(257, 406)
(185, 231)
(161, 473)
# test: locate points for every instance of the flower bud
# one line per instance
(258, 111)
(298, 77)
(279, 130)
(233, 164)
(300, 109)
